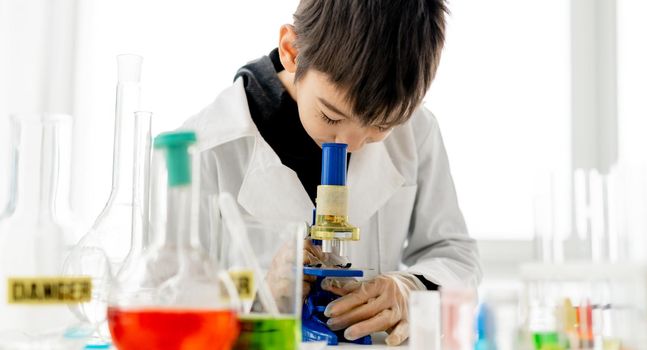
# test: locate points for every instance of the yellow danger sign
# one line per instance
(49, 290)
(244, 282)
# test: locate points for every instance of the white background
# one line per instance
(502, 93)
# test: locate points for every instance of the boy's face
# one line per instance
(326, 115)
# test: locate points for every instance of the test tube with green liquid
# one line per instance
(267, 332)
(549, 340)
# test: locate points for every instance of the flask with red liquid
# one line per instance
(170, 295)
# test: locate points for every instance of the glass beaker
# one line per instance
(101, 251)
(170, 296)
(424, 320)
(265, 260)
(34, 297)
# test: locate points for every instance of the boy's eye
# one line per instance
(328, 120)
(382, 128)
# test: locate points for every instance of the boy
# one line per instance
(354, 72)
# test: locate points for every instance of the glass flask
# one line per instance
(141, 186)
(101, 251)
(170, 295)
(34, 297)
(265, 260)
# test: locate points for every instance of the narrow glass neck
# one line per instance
(178, 216)
(128, 95)
(35, 153)
(142, 148)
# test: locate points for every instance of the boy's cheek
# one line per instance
(383, 136)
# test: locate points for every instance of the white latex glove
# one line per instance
(312, 255)
(282, 268)
(378, 304)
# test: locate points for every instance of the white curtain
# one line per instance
(59, 56)
(37, 56)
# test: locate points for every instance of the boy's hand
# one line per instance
(280, 274)
(379, 304)
(312, 255)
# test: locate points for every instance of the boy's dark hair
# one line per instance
(383, 53)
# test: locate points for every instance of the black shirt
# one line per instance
(276, 116)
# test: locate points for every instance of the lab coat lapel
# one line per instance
(372, 180)
(271, 190)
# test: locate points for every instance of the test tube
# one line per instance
(458, 311)
(424, 320)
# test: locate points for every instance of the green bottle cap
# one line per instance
(178, 161)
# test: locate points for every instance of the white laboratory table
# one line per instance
(378, 343)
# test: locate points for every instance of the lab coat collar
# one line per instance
(272, 190)
(372, 180)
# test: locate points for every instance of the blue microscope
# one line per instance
(332, 232)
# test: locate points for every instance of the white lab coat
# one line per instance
(401, 194)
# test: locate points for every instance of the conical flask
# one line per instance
(34, 297)
(171, 296)
(103, 249)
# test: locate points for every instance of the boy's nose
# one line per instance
(354, 142)
(357, 139)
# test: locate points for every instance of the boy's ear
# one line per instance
(287, 51)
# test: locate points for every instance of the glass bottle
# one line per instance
(102, 250)
(34, 297)
(170, 296)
